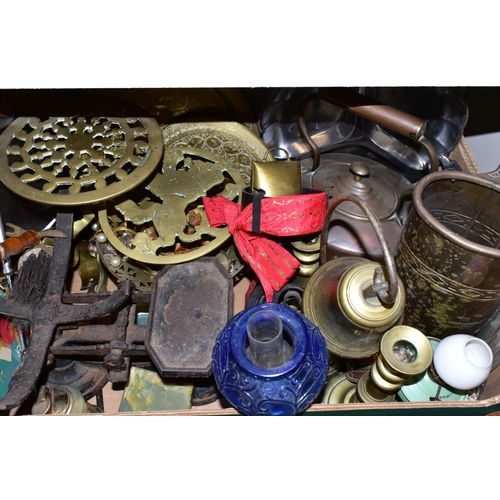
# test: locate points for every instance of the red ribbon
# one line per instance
(280, 216)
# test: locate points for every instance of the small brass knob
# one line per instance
(359, 170)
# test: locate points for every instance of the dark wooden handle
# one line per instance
(16, 244)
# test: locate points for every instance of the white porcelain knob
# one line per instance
(463, 361)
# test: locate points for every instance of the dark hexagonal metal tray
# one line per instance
(190, 304)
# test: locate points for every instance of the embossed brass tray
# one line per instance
(165, 222)
(232, 141)
(78, 160)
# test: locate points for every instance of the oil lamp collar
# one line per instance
(367, 311)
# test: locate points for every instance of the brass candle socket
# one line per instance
(62, 400)
(404, 352)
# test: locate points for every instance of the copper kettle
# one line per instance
(385, 190)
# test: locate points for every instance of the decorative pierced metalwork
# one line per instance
(122, 268)
(232, 141)
(166, 222)
(77, 160)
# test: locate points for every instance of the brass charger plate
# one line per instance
(165, 222)
(232, 141)
(73, 161)
(171, 105)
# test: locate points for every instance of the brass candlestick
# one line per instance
(404, 352)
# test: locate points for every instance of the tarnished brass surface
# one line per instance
(277, 178)
(86, 266)
(232, 141)
(165, 221)
(62, 400)
(395, 346)
(167, 105)
(73, 161)
(367, 312)
(368, 392)
(404, 352)
(338, 390)
(306, 251)
(123, 268)
(320, 305)
(448, 255)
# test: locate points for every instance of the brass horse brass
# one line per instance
(166, 222)
(76, 160)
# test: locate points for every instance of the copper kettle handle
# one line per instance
(386, 291)
(382, 114)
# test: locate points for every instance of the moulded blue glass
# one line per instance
(287, 389)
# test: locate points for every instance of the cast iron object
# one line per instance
(190, 304)
(114, 340)
(89, 377)
(49, 313)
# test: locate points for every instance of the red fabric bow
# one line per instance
(280, 216)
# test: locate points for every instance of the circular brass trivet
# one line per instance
(76, 160)
(166, 220)
(232, 141)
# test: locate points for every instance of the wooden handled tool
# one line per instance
(16, 244)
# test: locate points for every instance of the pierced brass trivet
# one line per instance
(165, 223)
(75, 160)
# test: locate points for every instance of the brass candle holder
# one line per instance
(404, 352)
